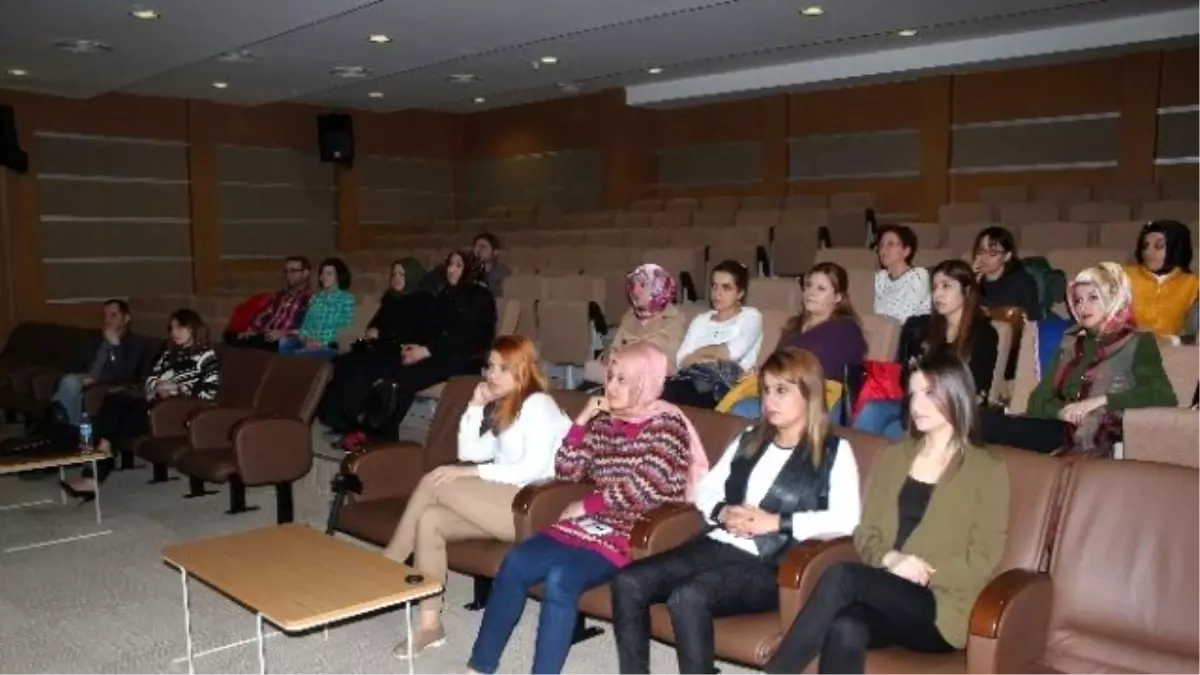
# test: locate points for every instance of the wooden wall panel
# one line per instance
(1043, 91)
(875, 107)
(575, 123)
(724, 122)
(108, 115)
(1180, 79)
(965, 187)
(892, 195)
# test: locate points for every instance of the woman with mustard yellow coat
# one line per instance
(1164, 288)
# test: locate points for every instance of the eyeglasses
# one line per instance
(293, 270)
(992, 253)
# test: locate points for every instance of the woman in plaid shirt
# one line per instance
(330, 312)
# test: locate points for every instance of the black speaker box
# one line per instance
(11, 154)
(335, 136)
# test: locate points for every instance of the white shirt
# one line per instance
(903, 297)
(840, 519)
(522, 453)
(742, 335)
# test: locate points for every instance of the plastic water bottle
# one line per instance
(85, 433)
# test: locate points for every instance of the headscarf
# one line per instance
(1178, 245)
(473, 273)
(645, 368)
(414, 272)
(1116, 294)
(658, 281)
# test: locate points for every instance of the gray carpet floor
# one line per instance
(109, 604)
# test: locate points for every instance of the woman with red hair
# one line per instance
(510, 431)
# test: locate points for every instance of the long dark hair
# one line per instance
(188, 318)
(972, 311)
(953, 388)
(1179, 245)
(841, 284)
(1002, 238)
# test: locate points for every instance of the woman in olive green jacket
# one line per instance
(933, 529)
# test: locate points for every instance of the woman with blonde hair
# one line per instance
(509, 432)
(637, 452)
(786, 479)
(934, 526)
(1103, 367)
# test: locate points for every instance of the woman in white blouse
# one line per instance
(720, 344)
(510, 431)
(901, 290)
(785, 480)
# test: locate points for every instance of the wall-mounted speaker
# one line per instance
(335, 136)
(11, 154)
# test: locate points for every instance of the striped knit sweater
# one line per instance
(635, 468)
(196, 371)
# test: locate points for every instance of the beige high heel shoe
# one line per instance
(424, 639)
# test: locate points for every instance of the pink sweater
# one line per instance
(635, 468)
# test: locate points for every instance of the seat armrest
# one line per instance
(272, 450)
(169, 416)
(665, 528)
(1009, 623)
(210, 427)
(802, 568)
(386, 470)
(539, 505)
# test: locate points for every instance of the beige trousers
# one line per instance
(467, 508)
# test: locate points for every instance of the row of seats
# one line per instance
(1021, 213)
(1064, 596)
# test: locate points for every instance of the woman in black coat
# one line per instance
(462, 326)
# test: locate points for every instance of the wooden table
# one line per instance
(298, 579)
(68, 456)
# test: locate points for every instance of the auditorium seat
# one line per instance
(965, 212)
(882, 334)
(862, 289)
(1004, 194)
(804, 217)
(1015, 215)
(632, 220)
(850, 258)
(1046, 236)
(961, 238)
(728, 204)
(929, 235)
(1064, 195)
(1129, 193)
(1120, 234)
(851, 201)
(813, 201)
(682, 204)
(1099, 212)
(646, 205)
(714, 219)
(794, 249)
(1166, 435)
(1072, 261)
(1178, 190)
(1182, 211)
(769, 218)
(929, 257)
(783, 293)
(760, 202)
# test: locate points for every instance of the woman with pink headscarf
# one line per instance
(1103, 367)
(652, 317)
(638, 452)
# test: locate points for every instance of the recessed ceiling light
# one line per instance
(238, 56)
(350, 71)
(375, 94)
(908, 32)
(17, 72)
(815, 10)
(654, 71)
(549, 60)
(144, 14)
(480, 99)
(379, 39)
(463, 78)
(220, 85)
(82, 46)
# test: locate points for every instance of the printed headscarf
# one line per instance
(1116, 295)
(660, 284)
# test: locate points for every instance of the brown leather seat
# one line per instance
(1119, 594)
(267, 444)
(241, 377)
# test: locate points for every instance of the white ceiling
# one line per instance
(600, 43)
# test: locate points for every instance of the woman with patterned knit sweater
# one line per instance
(188, 367)
(639, 452)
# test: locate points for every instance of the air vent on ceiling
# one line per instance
(238, 56)
(82, 46)
(463, 78)
(351, 72)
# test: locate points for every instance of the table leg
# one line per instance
(62, 478)
(262, 650)
(96, 487)
(187, 621)
(408, 629)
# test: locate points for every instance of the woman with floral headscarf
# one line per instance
(1103, 367)
(652, 317)
(462, 326)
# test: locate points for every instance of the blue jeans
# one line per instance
(69, 395)
(567, 571)
(751, 408)
(882, 418)
(295, 346)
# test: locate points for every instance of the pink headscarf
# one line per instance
(645, 367)
(660, 284)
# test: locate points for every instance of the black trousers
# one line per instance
(252, 341)
(856, 607)
(121, 419)
(681, 391)
(410, 380)
(699, 581)
(348, 389)
(1018, 431)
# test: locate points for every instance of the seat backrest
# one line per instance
(812, 201)
(26, 342)
(671, 219)
(1183, 210)
(243, 372)
(965, 212)
(868, 448)
(1166, 435)
(930, 257)
(1049, 236)
(805, 217)
(1004, 337)
(1099, 212)
(570, 401)
(1118, 234)
(961, 238)
(1026, 377)
(724, 203)
(859, 201)
(441, 440)
(929, 235)
(850, 258)
(716, 430)
(1063, 195)
(768, 218)
(778, 293)
(634, 220)
(795, 249)
(1124, 569)
(576, 288)
(1130, 193)
(1015, 215)
(1179, 190)
(1003, 194)
(759, 202)
(292, 387)
(1182, 362)
(646, 205)
(682, 204)
(773, 322)
(1034, 482)
(882, 334)
(508, 315)
(1072, 261)
(564, 333)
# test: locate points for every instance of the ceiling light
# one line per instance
(815, 10)
(351, 72)
(908, 32)
(463, 78)
(568, 87)
(375, 94)
(379, 39)
(238, 56)
(220, 85)
(82, 46)
(144, 14)
(654, 71)
(480, 99)
(549, 60)
(17, 72)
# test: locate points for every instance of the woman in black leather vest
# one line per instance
(783, 481)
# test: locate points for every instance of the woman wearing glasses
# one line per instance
(1002, 278)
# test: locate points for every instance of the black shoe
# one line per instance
(84, 496)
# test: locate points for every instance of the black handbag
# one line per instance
(380, 407)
